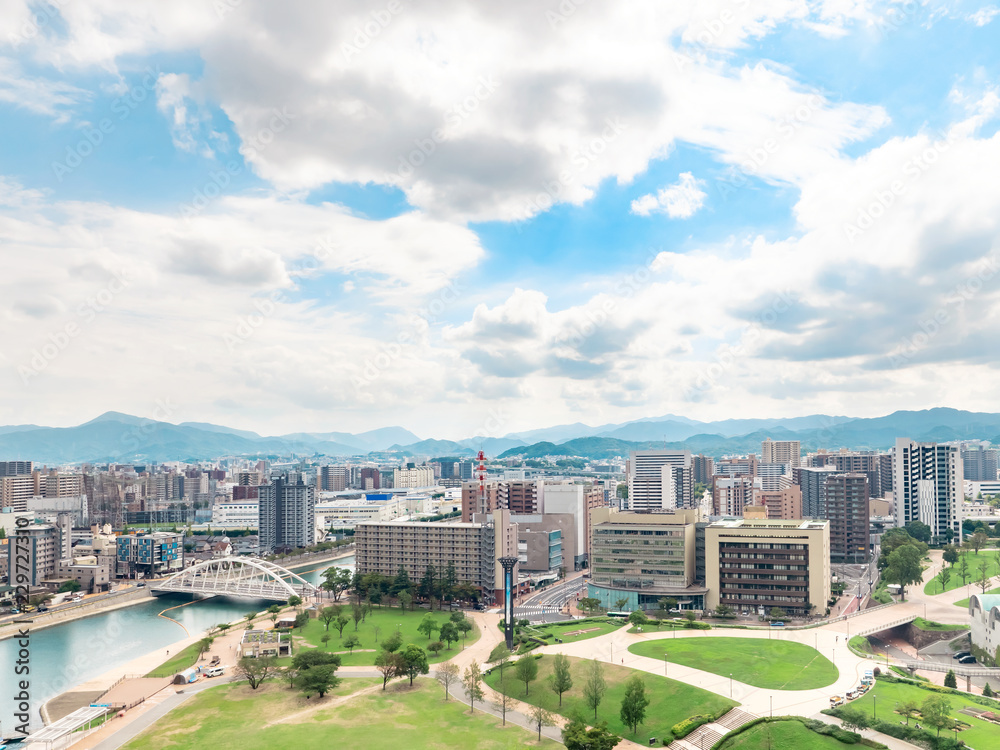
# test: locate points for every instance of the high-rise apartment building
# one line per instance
(927, 486)
(16, 490)
(522, 497)
(846, 503)
(660, 480)
(811, 481)
(730, 495)
(703, 468)
(780, 504)
(781, 452)
(370, 478)
(418, 476)
(15, 468)
(774, 477)
(44, 545)
(333, 478)
(868, 463)
(472, 503)
(979, 463)
(286, 514)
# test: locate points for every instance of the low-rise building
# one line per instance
(242, 514)
(156, 554)
(984, 612)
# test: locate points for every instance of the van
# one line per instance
(967, 660)
(214, 671)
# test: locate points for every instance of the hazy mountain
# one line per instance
(433, 448)
(208, 427)
(373, 440)
(19, 428)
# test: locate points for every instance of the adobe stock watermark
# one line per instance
(710, 32)
(267, 306)
(454, 116)
(883, 199)
(133, 439)
(582, 158)
(377, 22)
(220, 179)
(59, 340)
(726, 358)
(93, 136)
(389, 352)
(785, 129)
(563, 12)
(954, 302)
(45, 14)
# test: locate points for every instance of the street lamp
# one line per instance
(730, 684)
(664, 663)
(874, 702)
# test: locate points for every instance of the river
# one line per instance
(63, 656)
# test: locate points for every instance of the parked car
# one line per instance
(970, 659)
(777, 624)
(962, 654)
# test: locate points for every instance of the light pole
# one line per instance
(664, 663)
(730, 684)
(771, 698)
(874, 702)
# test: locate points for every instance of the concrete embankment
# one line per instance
(41, 620)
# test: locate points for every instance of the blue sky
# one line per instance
(535, 260)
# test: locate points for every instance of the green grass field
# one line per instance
(184, 659)
(670, 701)
(782, 735)
(886, 695)
(938, 627)
(233, 717)
(771, 664)
(989, 556)
(387, 621)
(964, 603)
(559, 630)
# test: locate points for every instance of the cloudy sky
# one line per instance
(476, 218)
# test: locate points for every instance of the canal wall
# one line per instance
(78, 611)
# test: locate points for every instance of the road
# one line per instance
(546, 605)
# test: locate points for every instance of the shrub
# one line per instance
(688, 725)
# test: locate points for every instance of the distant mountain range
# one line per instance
(120, 437)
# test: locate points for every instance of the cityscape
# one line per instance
(452, 375)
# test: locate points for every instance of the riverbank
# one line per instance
(111, 602)
(310, 558)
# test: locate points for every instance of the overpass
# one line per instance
(238, 577)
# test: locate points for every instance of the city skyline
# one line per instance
(337, 218)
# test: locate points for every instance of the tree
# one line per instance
(723, 610)
(560, 680)
(909, 708)
(273, 611)
(357, 614)
(588, 604)
(594, 686)
(249, 618)
(892, 540)
(949, 679)
(255, 671)
(294, 601)
(447, 675)
(984, 576)
(306, 660)
(414, 661)
(328, 615)
(464, 627)
(401, 582)
(963, 568)
(473, 682)
(405, 600)
(936, 711)
(777, 613)
(435, 647)
(638, 618)
(301, 620)
(904, 567)
(392, 643)
(526, 670)
(633, 710)
(291, 673)
(325, 640)
(69, 586)
(429, 584)
(390, 665)
(450, 582)
(943, 577)
(499, 656)
(540, 718)
(204, 645)
(987, 690)
(620, 603)
(352, 642)
(950, 554)
(336, 581)
(576, 736)
(919, 531)
(853, 718)
(428, 625)
(340, 623)
(449, 633)
(978, 541)
(320, 680)
(504, 701)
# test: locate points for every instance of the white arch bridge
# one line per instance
(240, 577)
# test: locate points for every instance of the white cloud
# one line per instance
(42, 96)
(678, 201)
(984, 15)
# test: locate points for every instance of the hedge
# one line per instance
(907, 732)
(830, 730)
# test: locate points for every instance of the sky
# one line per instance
(479, 218)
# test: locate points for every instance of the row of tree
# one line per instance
(435, 586)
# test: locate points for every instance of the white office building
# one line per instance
(928, 486)
(660, 480)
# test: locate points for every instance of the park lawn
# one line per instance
(782, 735)
(670, 701)
(387, 620)
(932, 626)
(771, 664)
(185, 658)
(559, 630)
(885, 695)
(955, 582)
(233, 717)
